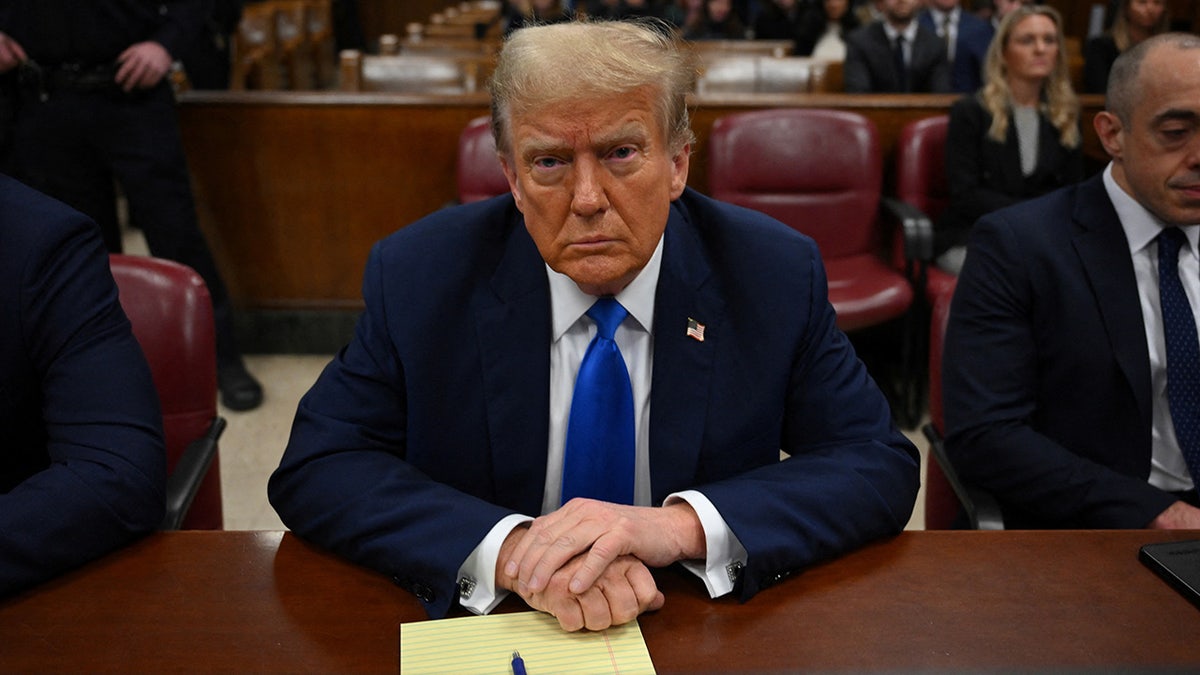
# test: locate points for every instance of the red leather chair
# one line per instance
(169, 307)
(947, 498)
(479, 175)
(921, 183)
(821, 172)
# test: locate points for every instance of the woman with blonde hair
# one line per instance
(1018, 136)
(1134, 21)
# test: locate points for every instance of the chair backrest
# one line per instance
(478, 174)
(941, 504)
(921, 165)
(171, 312)
(819, 171)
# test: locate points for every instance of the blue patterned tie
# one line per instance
(1183, 350)
(598, 460)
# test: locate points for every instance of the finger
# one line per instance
(569, 613)
(126, 74)
(622, 600)
(597, 615)
(645, 589)
(599, 557)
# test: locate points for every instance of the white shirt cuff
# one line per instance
(724, 554)
(477, 576)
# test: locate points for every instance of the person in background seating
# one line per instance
(896, 55)
(960, 31)
(1134, 21)
(826, 25)
(717, 22)
(1018, 137)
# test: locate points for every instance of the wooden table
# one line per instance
(942, 601)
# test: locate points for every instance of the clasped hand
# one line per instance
(587, 563)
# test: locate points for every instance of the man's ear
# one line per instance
(679, 170)
(1110, 132)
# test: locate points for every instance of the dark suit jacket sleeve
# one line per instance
(856, 74)
(995, 358)
(102, 426)
(851, 476)
(344, 480)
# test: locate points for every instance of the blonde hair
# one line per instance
(548, 64)
(1059, 102)
(1119, 30)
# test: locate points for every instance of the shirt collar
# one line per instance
(910, 31)
(1141, 227)
(568, 303)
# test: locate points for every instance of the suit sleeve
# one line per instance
(104, 483)
(990, 384)
(850, 478)
(344, 482)
(856, 77)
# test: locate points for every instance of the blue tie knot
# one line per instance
(608, 314)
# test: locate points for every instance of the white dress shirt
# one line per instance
(572, 332)
(939, 22)
(1168, 469)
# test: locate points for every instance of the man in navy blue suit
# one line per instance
(434, 447)
(82, 464)
(1055, 373)
(962, 33)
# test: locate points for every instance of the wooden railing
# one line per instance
(294, 188)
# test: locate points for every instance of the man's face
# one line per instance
(595, 179)
(899, 11)
(943, 5)
(1156, 156)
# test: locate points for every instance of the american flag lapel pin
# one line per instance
(695, 330)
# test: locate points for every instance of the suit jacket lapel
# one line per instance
(680, 387)
(1104, 252)
(513, 334)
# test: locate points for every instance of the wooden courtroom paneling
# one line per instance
(294, 188)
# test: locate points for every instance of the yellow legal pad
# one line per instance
(484, 644)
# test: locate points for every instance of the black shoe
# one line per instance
(239, 389)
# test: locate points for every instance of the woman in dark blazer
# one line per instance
(1018, 136)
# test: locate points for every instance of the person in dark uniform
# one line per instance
(95, 106)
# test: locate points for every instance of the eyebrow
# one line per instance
(1176, 115)
(630, 131)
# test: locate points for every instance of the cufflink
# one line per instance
(734, 570)
(466, 586)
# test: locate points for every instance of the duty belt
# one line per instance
(67, 76)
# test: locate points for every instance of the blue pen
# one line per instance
(518, 664)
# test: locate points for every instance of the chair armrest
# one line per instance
(184, 481)
(983, 511)
(917, 228)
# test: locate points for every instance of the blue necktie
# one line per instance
(598, 460)
(1183, 351)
